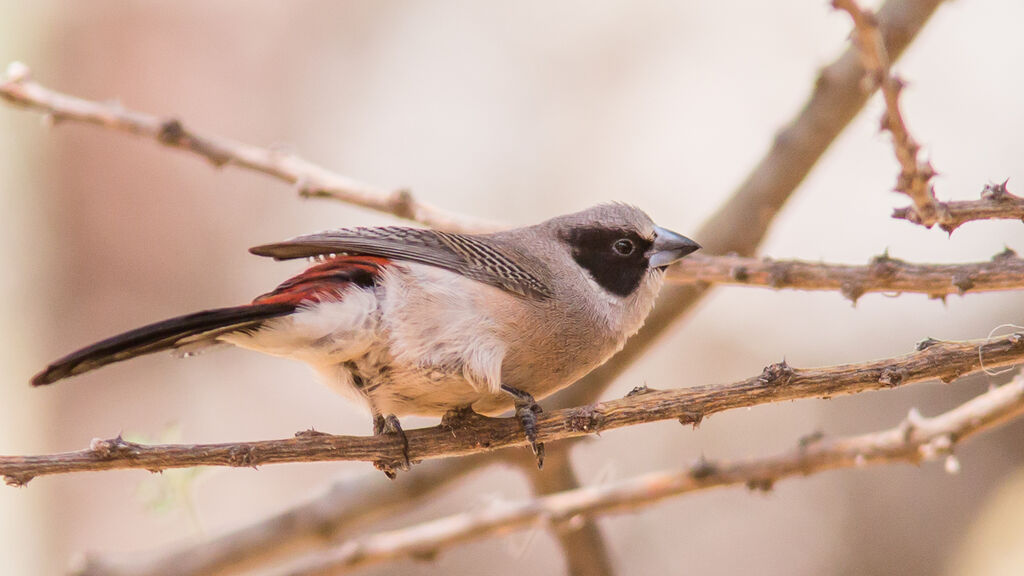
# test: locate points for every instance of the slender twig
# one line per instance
(996, 203)
(914, 440)
(474, 434)
(312, 180)
(1005, 271)
(915, 176)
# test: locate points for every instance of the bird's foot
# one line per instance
(527, 410)
(390, 425)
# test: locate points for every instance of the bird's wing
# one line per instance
(475, 257)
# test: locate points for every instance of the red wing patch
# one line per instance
(324, 281)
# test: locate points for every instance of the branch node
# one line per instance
(892, 377)
(243, 456)
(638, 391)
(692, 417)
(403, 204)
(761, 484)
(778, 374)
(18, 480)
(808, 440)
(740, 273)
(963, 281)
(172, 132)
(584, 419)
(702, 468)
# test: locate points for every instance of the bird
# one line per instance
(414, 321)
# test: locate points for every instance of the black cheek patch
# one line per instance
(618, 274)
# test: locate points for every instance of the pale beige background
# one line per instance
(515, 112)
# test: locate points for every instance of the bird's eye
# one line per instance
(623, 247)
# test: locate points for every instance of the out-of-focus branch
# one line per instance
(741, 223)
(914, 440)
(582, 545)
(474, 433)
(17, 88)
(996, 203)
(884, 274)
(347, 505)
(915, 176)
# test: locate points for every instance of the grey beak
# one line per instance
(669, 247)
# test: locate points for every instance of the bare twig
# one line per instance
(474, 434)
(17, 88)
(884, 274)
(914, 440)
(996, 203)
(915, 176)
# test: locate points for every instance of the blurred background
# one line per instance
(514, 112)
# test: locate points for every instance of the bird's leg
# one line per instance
(389, 425)
(527, 410)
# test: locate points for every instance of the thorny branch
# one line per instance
(914, 440)
(915, 176)
(18, 88)
(742, 222)
(996, 202)
(1005, 271)
(474, 434)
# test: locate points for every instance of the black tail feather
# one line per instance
(160, 336)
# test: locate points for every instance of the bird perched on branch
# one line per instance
(421, 322)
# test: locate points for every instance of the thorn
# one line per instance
(910, 423)
(852, 291)
(995, 192)
(808, 440)
(702, 468)
(1007, 254)
(17, 72)
(926, 344)
(952, 465)
(638, 391)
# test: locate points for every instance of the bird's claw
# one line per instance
(390, 425)
(527, 410)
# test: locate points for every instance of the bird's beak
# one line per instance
(669, 247)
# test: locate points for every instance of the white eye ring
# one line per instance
(623, 246)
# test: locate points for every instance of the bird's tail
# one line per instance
(169, 334)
